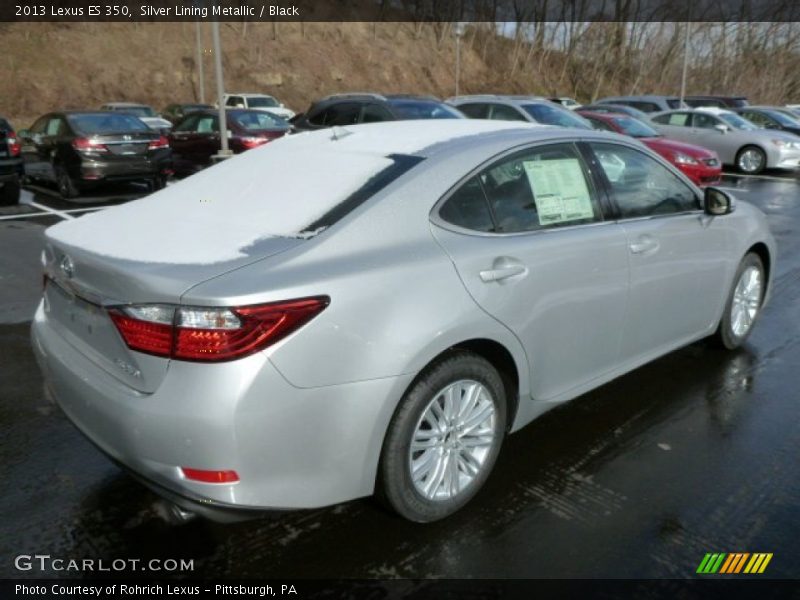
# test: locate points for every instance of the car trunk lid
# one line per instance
(81, 286)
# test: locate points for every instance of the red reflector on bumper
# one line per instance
(210, 476)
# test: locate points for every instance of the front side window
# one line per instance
(553, 115)
(342, 114)
(737, 122)
(234, 101)
(704, 121)
(641, 186)
(538, 188)
(474, 111)
(188, 124)
(375, 113)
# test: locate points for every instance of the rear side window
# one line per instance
(538, 188)
(678, 119)
(468, 208)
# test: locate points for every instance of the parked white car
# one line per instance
(263, 102)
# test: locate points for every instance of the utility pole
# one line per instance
(458, 31)
(224, 152)
(685, 62)
(200, 75)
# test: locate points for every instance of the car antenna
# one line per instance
(339, 132)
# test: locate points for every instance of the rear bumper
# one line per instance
(120, 170)
(292, 448)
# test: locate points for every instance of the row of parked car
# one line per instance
(76, 150)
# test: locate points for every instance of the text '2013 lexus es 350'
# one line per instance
(373, 308)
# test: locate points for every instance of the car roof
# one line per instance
(508, 99)
(418, 138)
(127, 104)
(248, 94)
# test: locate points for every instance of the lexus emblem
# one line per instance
(67, 267)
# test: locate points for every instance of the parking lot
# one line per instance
(693, 453)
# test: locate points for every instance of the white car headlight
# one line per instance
(683, 159)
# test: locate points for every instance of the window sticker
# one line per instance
(559, 190)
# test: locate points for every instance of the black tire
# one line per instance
(725, 336)
(754, 150)
(9, 192)
(395, 485)
(158, 183)
(66, 186)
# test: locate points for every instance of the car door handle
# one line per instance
(646, 244)
(503, 272)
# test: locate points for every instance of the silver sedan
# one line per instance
(737, 141)
(373, 308)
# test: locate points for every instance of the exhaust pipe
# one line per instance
(173, 514)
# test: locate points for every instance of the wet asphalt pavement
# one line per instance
(694, 453)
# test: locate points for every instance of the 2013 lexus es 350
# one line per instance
(373, 308)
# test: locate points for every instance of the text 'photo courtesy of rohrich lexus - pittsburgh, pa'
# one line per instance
(371, 309)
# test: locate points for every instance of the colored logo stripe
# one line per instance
(732, 563)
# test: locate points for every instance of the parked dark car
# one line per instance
(717, 101)
(196, 139)
(80, 149)
(10, 164)
(176, 112)
(349, 109)
(771, 117)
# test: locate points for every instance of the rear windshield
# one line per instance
(195, 107)
(106, 123)
(552, 115)
(635, 128)
(139, 111)
(255, 121)
(262, 102)
(423, 109)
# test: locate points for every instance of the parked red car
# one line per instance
(699, 164)
(195, 139)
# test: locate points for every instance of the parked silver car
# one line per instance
(737, 141)
(374, 307)
(518, 108)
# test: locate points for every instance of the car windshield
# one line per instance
(783, 118)
(635, 128)
(736, 121)
(255, 121)
(139, 111)
(262, 102)
(106, 123)
(423, 109)
(551, 115)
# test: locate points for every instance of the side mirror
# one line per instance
(717, 202)
(282, 105)
(721, 128)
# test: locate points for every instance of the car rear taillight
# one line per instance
(159, 144)
(212, 334)
(14, 147)
(89, 145)
(210, 476)
(253, 141)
